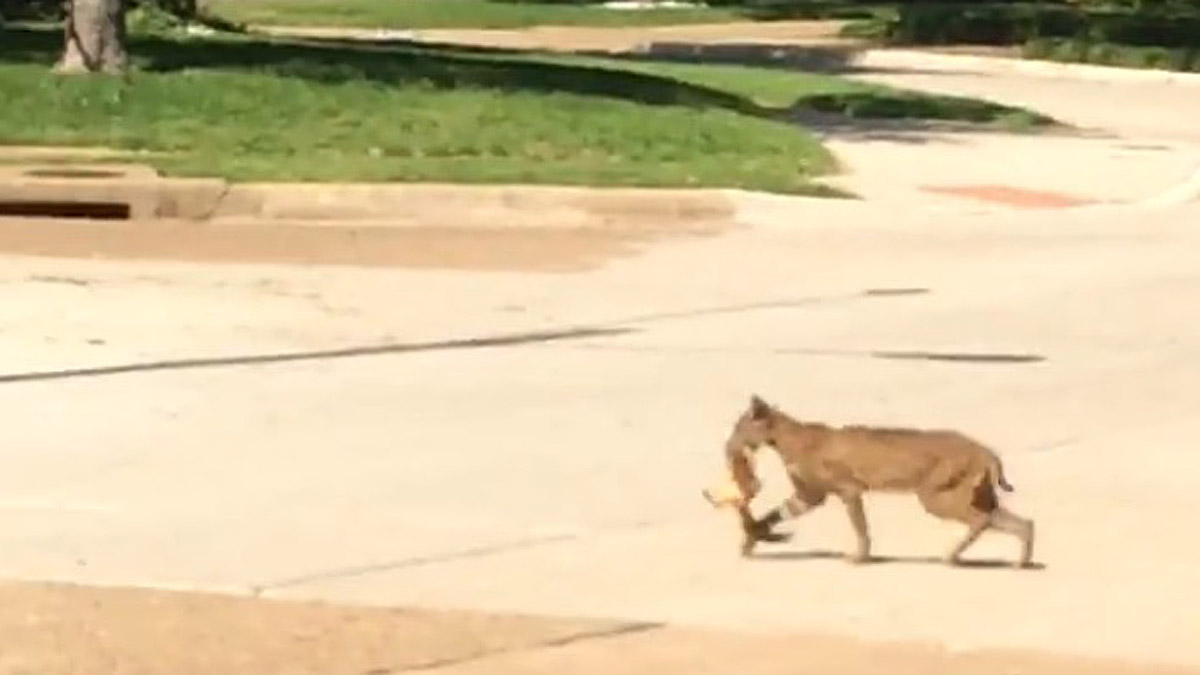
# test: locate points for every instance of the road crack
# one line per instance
(574, 638)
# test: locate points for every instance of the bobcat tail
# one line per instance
(997, 472)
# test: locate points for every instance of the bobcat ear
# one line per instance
(759, 409)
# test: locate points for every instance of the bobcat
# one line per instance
(953, 476)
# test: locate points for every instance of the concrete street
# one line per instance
(559, 474)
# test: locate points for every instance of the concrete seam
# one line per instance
(216, 203)
(585, 636)
(418, 561)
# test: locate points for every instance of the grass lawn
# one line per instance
(260, 110)
(400, 14)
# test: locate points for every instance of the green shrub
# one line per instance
(875, 28)
(152, 19)
(1144, 29)
(31, 10)
(995, 24)
(774, 10)
(1110, 54)
(1017, 23)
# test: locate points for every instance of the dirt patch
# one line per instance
(974, 50)
(50, 629)
(1011, 196)
(586, 38)
(694, 652)
(516, 249)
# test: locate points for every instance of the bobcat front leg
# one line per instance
(754, 531)
(793, 507)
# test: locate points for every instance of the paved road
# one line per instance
(563, 476)
(1132, 139)
(1138, 106)
(560, 475)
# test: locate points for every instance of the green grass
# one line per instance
(260, 110)
(402, 14)
(257, 111)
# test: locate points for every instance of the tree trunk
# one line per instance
(95, 37)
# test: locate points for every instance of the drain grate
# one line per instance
(73, 173)
(60, 209)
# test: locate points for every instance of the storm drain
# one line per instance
(65, 209)
(73, 173)
(89, 209)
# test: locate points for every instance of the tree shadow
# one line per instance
(833, 58)
(876, 114)
(826, 554)
(391, 62)
(921, 131)
(901, 104)
(908, 131)
(869, 113)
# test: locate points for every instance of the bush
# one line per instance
(982, 24)
(875, 28)
(774, 10)
(1144, 29)
(152, 19)
(31, 10)
(1018, 23)
(151, 13)
(1109, 54)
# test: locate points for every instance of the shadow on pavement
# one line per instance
(389, 63)
(824, 554)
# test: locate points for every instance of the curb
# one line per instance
(142, 195)
(474, 207)
(1185, 192)
(479, 206)
(132, 192)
